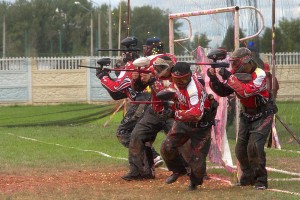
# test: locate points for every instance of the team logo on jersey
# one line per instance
(131, 92)
(124, 84)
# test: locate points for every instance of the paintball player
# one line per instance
(153, 46)
(120, 88)
(248, 81)
(194, 116)
(145, 131)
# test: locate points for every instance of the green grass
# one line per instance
(62, 132)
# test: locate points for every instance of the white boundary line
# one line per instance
(84, 150)
(282, 171)
(268, 168)
(120, 158)
(284, 150)
(284, 179)
(284, 191)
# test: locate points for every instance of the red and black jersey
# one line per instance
(155, 88)
(191, 101)
(253, 93)
(158, 85)
(120, 88)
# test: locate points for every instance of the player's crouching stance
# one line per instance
(146, 130)
(194, 116)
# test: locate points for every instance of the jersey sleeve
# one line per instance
(253, 87)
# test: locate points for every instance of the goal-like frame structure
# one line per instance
(233, 9)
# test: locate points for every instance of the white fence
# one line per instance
(46, 63)
(34, 80)
(284, 58)
(13, 64)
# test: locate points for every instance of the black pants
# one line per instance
(132, 116)
(249, 150)
(144, 133)
(200, 139)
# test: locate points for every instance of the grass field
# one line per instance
(60, 152)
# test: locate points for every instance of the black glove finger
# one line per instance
(98, 71)
(106, 70)
(224, 73)
(212, 77)
(209, 74)
(221, 71)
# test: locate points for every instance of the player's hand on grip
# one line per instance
(166, 114)
(100, 73)
(225, 73)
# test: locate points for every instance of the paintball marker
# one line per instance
(166, 96)
(102, 62)
(128, 43)
(217, 54)
(106, 62)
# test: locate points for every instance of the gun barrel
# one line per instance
(148, 102)
(128, 50)
(213, 64)
(132, 70)
(126, 70)
(89, 67)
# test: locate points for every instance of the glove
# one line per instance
(166, 114)
(100, 73)
(225, 73)
(212, 77)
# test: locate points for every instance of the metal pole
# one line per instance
(171, 35)
(236, 28)
(92, 38)
(109, 30)
(4, 45)
(273, 47)
(128, 18)
(99, 32)
(120, 24)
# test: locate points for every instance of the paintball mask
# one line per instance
(130, 54)
(153, 46)
(162, 66)
(240, 57)
(181, 74)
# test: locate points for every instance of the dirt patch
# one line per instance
(72, 179)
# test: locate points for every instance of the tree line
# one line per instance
(62, 28)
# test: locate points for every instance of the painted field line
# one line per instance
(120, 158)
(270, 169)
(60, 145)
(284, 179)
(292, 151)
(284, 191)
(282, 171)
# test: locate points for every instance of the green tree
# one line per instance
(201, 40)
(266, 41)
(149, 21)
(228, 41)
(291, 34)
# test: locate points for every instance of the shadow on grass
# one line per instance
(59, 112)
(78, 120)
